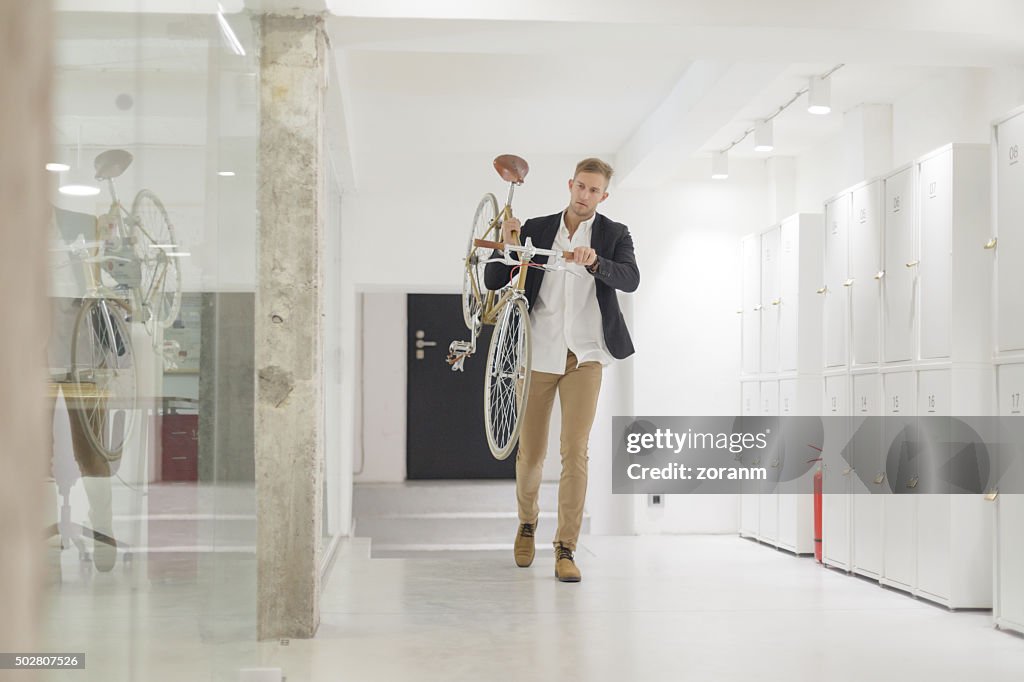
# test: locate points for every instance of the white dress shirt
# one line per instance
(565, 315)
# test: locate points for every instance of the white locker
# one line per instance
(1010, 231)
(954, 226)
(899, 521)
(935, 197)
(799, 308)
(768, 498)
(866, 273)
(868, 481)
(798, 397)
(836, 476)
(954, 531)
(770, 300)
(899, 267)
(1008, 595)
(750, 255)
(835, 288)
(750, 392)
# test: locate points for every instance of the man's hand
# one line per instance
(584, 255)
(508, 227)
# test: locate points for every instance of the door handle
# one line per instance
(420, 343)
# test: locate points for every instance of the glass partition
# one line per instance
(151, 552)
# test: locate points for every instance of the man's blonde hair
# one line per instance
(595, 165)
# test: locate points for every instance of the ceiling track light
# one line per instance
(819, 94)
(720, 166)
(764, 136)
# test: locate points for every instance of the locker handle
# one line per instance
(991, 243)
(739, 312)
(775, 463)
(912, 483)
(823, 290)
(992, 495)
(847, 470)
(757, 307)
(848, 283)
(880, 274)
(913, 263)
(776, 301)
(879, 478)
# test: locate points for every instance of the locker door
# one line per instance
(789, 295)
(750, 395)
(869, 475)
(768, 530)
(899, 545)
(836, 470)
(865, 264)
(750, 250)
(1010, 250)
(935, 195)
(837, 216)
(900, 278)
(770, 300)
(1009, 593)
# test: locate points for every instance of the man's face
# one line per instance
(586, 191)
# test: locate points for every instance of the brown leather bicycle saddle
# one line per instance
(511, 168)
(112, 163)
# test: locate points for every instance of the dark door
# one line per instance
(445, 418)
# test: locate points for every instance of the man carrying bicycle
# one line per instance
(577, 329)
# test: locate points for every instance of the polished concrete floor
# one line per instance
(649, 608)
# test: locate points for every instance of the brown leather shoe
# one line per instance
(524, 547)
(565, 568)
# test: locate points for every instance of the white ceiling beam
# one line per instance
(984, 16)
(707, 94)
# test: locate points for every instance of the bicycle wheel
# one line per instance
(104, 387)
(507, 378)
(156, 248)
(473, 290)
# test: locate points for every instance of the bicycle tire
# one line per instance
(105, 385)
(160, 289)
(474, 294)
(507, 378)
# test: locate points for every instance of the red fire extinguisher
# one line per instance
(817, 508)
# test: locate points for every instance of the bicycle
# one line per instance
(100, 385)
(139, 250)
(507, 371)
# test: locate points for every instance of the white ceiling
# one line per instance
(648, 82)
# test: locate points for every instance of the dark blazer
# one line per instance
(617, 269)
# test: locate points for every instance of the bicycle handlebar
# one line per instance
(567, 256)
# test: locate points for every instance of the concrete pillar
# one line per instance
(289, 395)
(26, 40)
(781, 187)
(867, 136)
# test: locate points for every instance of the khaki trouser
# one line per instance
(577, 390)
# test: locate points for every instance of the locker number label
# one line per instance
(895, 403)
(931, 402)
(863, 215)
(1014, 153)
(897, 203)
(933, 189)
(1015, 402)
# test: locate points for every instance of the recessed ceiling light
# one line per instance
(226, 174)
(55, 167)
